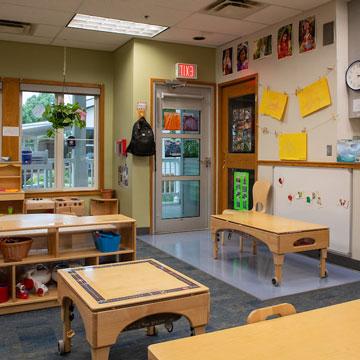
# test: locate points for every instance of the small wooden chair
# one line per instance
(260, 192)
(265, 312)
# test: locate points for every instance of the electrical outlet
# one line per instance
(328, 150)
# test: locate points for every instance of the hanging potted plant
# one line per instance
(64, 115)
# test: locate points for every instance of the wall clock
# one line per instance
(352, 76)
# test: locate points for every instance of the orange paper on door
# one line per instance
(172, 121)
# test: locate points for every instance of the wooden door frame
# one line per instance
(214, 129)
(219, 144)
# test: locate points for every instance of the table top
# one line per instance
(267, 222)
(129, 284)
(330, 333)
(49, 221)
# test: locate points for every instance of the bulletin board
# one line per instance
(324, 199)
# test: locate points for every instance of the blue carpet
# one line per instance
(33, 335)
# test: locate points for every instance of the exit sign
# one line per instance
(186, 71)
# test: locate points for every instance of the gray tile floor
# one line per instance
(247, 272)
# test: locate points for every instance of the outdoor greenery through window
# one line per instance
(68, 160)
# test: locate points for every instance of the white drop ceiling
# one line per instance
(185, 19)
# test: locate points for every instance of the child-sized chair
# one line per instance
(265, 312)
(260, 192)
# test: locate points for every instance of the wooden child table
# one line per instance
(111, 298)
(281, 235)
(329, 333)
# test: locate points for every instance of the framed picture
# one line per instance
(227, 62)
(284, 41)
(243, 56)
(307, 34)
(262, 47)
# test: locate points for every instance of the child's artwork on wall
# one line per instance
(273, 104)
(262, 47)
(314, 97)
(227, 62)
(284, 41)
(293, 146)
(243, 56)
(307, 33)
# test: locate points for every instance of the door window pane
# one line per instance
(79, 146)
(180, 199)
(37, 149)
(242, 124)
(180, 157)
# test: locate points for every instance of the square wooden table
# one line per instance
(111, 298)
(329, 333)
(280, 234)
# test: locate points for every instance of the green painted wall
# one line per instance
(154, 59)
(43, 62)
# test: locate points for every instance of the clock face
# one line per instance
(353, 75)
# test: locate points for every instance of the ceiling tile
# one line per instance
(185, 36)
(133, 11)
(272, 15)
(47, 30)
(35, 16)
(63, 5)
(93, 36)
(25, 38)
(301, 4)
(188, 5)
(85, 45)
(203, 22)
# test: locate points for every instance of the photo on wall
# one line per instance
(284, 41)
(227, 62)
(307, 34)
(243, 56)
(262, 47)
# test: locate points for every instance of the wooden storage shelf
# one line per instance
(64, 238)
(99, 206)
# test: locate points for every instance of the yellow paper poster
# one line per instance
(293, 146)
(273, 104)
(314, 97)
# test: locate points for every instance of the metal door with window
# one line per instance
(237, 144)
(183, 163)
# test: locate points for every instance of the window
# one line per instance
(69, 160)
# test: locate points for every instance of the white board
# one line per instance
(330, 193)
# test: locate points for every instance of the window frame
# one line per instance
(98, 138)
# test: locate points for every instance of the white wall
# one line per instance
(286, 75)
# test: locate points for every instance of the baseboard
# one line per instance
(336, 259)
(142, 231)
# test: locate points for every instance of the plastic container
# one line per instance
(26, 156)
(107, 241)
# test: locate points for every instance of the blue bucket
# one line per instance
(26, 156)
(107, 241)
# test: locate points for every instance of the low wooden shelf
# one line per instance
(59, 238)
(100, 206)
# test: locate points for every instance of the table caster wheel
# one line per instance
(169, 326)
(61, 347)
(151, 331)
(192, 331)
(71, 317)
(326, 274)
(275, 281)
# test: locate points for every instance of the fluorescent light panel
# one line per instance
(96, 23)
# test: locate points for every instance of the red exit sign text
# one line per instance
(186, 71)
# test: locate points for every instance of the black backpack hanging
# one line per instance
(142, 139)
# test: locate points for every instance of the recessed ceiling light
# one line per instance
(199, 38)
(96, 23)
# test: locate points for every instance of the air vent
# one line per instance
(15, 27)
(237, 9)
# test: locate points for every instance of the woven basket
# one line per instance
(15, 248)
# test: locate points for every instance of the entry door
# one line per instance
(237, 144)
(183, 163)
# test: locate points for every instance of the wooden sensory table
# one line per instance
(112, 298)
(280, 234)
(330, 333)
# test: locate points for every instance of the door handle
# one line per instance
(206, 162)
